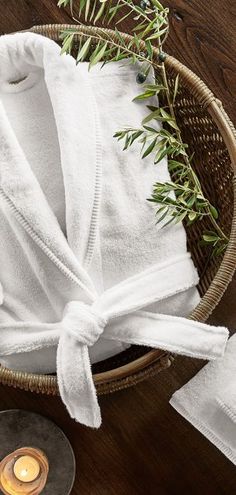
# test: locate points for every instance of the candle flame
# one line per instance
(24, 472)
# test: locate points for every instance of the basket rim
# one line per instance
(48, 383)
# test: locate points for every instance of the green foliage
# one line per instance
(151, 24)
(181, 198)
(63, 3)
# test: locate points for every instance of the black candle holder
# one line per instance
(21, 429)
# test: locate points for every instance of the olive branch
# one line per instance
(182, 197)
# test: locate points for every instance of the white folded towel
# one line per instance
(85, 271)
(208, 401)
(227, 399)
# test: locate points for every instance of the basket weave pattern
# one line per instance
(211, 136)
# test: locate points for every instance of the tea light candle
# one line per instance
(47, 466)
(24, 472)
(26, 468)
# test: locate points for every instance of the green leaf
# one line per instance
(160, 155)
(181, 152)
(136, 135)
(83, 51)
(121, 40)
(149, 148)
(63, 3)
(93, 10)
(136, 41)
(96, 57)
(157, 35)
(139, 27)
(144, 96)
(214, 212)
(165, 133)
(151, 129)
(161, 217)
(148, 28)
(165, 114)
(210, 238)
(180, 217)
(152, 108)
(113, 11)
(161, 144)
(176, 163)
(176, 86)
(155, 87)
(67, 44)
(151, 116)
(172, 123)
(218, 250)
(158, 5)
(149, 49)
(123, 18)
(82, 5)
(119, 135)
(211, 233)
(127, 141)
(171, 220)
(192, 216)
(87, 8)
(191, 202)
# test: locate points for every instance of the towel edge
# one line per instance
(204, 430)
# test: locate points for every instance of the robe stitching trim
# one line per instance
(97, 188)
(43, 246)
(226, 409)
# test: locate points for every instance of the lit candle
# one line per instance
(26, 468)
(24, 472)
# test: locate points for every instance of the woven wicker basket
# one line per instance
(210, 134)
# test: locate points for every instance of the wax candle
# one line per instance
(26, 468)
(24, 472)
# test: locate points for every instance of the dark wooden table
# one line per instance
(144, 447)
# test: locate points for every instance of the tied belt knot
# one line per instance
(83, 322)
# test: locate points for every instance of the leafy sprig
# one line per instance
(182, 198)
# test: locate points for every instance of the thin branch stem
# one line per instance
(185, 157)
(152, 21)
(111, 41)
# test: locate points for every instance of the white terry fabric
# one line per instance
(84, 265)
(227, 398)
(208, 401)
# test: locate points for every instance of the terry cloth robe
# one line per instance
(84, 271)
(208, 401)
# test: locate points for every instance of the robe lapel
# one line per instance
(72, 103)
(28, 202)
(78, 130)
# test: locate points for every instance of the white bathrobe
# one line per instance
(83, 264)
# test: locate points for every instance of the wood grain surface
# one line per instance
(144, 447)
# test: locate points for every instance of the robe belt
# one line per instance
(116, 314)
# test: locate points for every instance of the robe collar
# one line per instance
(76, 119)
